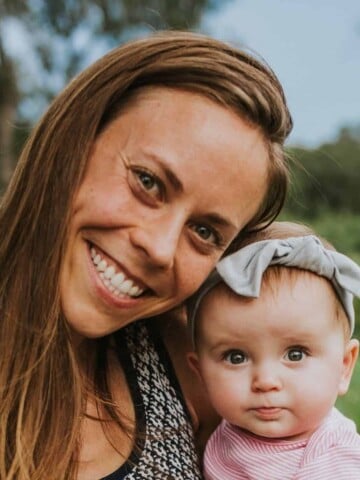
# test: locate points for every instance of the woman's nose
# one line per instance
(266, 378)
(159, 239)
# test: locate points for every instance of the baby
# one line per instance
(272, 341)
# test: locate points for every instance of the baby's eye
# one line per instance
(235, 357)
(295, 354)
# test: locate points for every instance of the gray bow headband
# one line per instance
(243, 270)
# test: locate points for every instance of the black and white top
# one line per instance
(165, 445)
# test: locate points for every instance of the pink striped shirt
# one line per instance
(331, 453)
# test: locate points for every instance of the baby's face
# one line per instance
(274, 365)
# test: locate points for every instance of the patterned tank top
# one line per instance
(165, 446)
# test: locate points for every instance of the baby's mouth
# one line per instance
(113, 278)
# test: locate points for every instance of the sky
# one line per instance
(312, 45)
(314, 48)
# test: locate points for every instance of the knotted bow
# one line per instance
(243, 270)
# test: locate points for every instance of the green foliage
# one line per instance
(341, 229)
(325, 179)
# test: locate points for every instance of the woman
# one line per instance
(136, 181)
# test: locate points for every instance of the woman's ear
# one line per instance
(193, 361)
(350, 356)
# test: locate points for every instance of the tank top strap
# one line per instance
(164, 447)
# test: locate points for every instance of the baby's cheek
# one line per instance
(225, 396)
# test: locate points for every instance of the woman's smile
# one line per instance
(113, 276)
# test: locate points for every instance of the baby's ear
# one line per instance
(193, 361)
(349, 361)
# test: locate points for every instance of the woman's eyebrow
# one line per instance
(220, 220)
(170, 175)
(173, 179)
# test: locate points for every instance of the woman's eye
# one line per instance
(235, 357)
(207, 234)
(295, 354)
(147, 180)
(148, 184)
(204, 232)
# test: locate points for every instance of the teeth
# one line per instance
(134, 291)
(116, 282)
(96, 259)
(125, 286)
(109, 272)
(101, 266)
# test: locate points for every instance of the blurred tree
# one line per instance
(327, 178)
(350, 132)
(64, 36)
(9, 94)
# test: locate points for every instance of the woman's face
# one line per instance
(168, 186)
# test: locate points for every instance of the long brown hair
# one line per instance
(41, 390)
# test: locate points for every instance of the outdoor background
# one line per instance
(313, 46)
